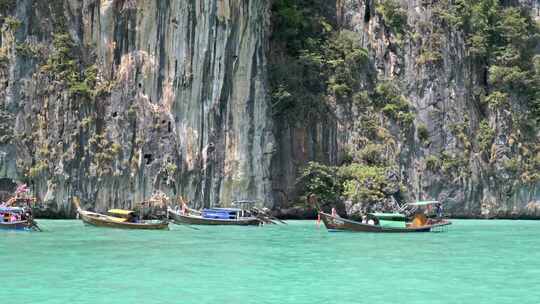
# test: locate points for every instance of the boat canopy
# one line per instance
(11, 210)
(220, 213)
(384, 215)
(243, 202)
(423, 203)
(117, 219)
(223, 209)
(120, 211)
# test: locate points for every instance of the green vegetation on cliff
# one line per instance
(358, 183)
(393, 15)
(501, 43)
(316, 64)
(319, 69)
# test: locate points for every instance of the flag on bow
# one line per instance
(22, 189)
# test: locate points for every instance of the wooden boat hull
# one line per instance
(99, 220)
(20, 225)
(341, 224)
(182, 219)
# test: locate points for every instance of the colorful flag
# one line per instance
(23, 188)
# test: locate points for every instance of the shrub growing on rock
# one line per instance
(485, 137)
(357, 183)
(393, 15)
(422, 133)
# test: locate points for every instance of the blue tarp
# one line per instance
(11, 210)
(224, 209)
(219, 213)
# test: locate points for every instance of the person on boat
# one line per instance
(364, 219)
(439, 210)
(130, 218)
(27, 215)
(185, 208)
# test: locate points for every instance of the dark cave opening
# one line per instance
(367, 13)
(148, 158)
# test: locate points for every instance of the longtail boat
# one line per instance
(213, 216)
(395, 222)
(123, 219)
(16, 218)
(16, 213)
(337, 223)
(240, 216)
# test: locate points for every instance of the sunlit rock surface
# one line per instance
(174, 96)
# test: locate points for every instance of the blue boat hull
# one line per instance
(21, 225)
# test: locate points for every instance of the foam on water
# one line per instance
(473, 262)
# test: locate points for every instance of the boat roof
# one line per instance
(382, 215)
(423, 203)
(11, 209)
(120, 211)
(223, 209)
(238, 202)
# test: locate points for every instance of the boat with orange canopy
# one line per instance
(397, 222)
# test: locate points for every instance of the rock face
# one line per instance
(178, 102)
(442, 93)
(110, 100)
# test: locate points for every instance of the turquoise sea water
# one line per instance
(473, 262)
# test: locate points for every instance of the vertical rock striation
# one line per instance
(150, 95)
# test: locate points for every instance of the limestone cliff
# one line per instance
(110, 100)
(447, 89)
(437, 100)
